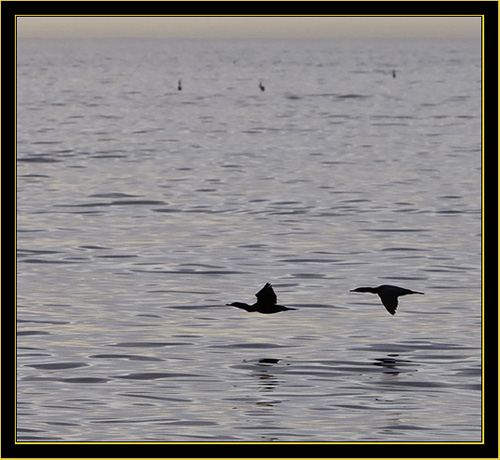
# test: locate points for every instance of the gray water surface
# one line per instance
(142, 210)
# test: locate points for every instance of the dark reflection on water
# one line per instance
(393, 365)
(269, 361)
(267, 381)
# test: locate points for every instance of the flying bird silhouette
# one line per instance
(266, 302)
(388, 295)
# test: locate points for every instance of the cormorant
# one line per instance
(261, 86)
(388, 295)
(179, 85)
(266, 302)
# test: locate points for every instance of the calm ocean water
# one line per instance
(142, 210)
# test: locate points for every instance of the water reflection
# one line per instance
(393, 365)
(267, 382)
(268, 361)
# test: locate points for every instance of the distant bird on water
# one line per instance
(261, 86)
(179, 85)
(266, 302)
(393, 74)
(388, 295)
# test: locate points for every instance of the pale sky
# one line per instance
(250, 27)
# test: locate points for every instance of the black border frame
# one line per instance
(487, 449)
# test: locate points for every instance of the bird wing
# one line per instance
(390, 303)
(266, 295)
